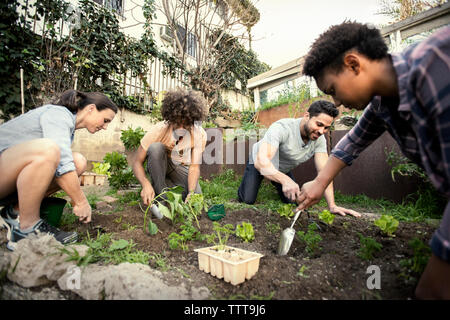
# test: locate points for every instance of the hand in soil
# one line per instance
(83, 211)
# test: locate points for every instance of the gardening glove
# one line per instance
(343, 211)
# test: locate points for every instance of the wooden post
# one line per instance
(22, 96)
(256, 96)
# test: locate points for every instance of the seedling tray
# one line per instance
(234, 265)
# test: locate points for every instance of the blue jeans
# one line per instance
(248, 190)
(440, 242)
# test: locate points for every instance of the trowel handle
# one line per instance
(296, 217)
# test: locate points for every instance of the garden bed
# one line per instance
(333, 272)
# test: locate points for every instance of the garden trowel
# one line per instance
(287, 236)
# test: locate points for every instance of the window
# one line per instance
(114, 5)
(189, 44)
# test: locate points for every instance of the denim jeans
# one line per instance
(251, 182)
(164, 173)
(440, 242)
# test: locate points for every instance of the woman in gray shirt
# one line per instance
(36, 160)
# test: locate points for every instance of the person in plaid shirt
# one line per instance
(407, 94)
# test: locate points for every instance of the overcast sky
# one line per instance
(287, 28)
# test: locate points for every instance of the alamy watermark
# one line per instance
(217, 151)
(374, 280)
(73, 281)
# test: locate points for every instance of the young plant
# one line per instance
(173, 198)
(301, 272)
(286, 210)
(416, 264)
(311, 238)
(132, 138)
(221, 235)
(327, 217)
(107, 250)
(101, 168)
(368, 247)
(188, 233)
(245, 232)
(121, 175)
(195, 205)
(387, 224)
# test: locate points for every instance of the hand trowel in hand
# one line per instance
(287, 236)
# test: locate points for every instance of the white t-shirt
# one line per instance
(284, 134)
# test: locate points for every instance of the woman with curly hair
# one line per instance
(173, 148)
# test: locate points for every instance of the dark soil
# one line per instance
(336, 272)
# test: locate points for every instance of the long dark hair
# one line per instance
(75, 100)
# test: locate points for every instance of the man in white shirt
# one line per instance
(287, 143)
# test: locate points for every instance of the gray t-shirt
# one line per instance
(284, 134)
(49, 121)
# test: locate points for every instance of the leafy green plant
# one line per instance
(387, 224)
(101, 168)
(174, 199)
(104, 248)
(416, 264)
(132, 138)
(195, 205)
(245, 232)
(327, 217)
(368, 247)
(188, 232)
(160, 261)
(291, 95)
(403, 166)
(121, 175)
(273, 227)
(222, 233)
(311, 238)
(286, 210)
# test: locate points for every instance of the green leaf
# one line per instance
(118, 245)
(165, 211)
(152, 228)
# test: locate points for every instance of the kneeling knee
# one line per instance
(80, 163)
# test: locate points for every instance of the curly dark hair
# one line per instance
(323, 106)
(184, 107)
(328, 50)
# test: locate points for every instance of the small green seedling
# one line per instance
(286, 210)
(188, 232)
(387, 224)
(416, 264)
(273, 227)
(301, 272)
(368, 247)
(221, 234)
(327, 217)
(311, 238)
(195, 205)
(245, 232)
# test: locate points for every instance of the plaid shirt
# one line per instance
(420, 123)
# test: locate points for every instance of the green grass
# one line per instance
(418, 207)
(109, 251)
(222, 189)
